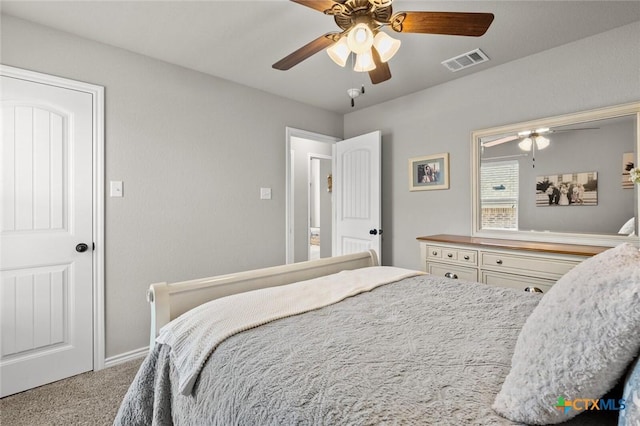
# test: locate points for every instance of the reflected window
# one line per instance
(499, 194)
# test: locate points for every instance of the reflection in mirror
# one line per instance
(558, 176)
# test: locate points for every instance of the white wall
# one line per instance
(193, 152)
(595, 72)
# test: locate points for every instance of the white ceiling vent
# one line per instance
(466, 60)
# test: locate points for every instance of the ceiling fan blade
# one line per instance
(381, 72)
(500, 141)
(320, 5)
(305, 52)
(448, 23)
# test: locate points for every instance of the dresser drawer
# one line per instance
(515, 281)
(453, 254)
(434, 252)
(469, 257)
(452, 271)
(546, 267)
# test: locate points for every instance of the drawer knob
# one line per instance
(451, 275)
(466, 258)
(435, 253)
(533, 290)
(499, 261)
(450, 255)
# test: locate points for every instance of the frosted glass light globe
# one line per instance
(360, 38)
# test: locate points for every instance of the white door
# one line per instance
(46, 287)
(357, 186)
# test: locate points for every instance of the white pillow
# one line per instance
(629, 227)
(577, 342)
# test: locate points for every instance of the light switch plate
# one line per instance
(265, 193)
(116, 188)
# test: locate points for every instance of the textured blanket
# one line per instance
(194, 335)
(422, 351)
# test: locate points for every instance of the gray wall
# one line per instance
(590, 73)
(193, 152)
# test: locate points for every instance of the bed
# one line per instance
(349, 342)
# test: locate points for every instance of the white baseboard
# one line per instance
(127, 356)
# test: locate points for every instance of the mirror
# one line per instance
(559, 179)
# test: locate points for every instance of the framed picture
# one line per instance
(627, 165)
(567, 189)
(429, 172)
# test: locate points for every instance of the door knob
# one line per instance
(82, 247)
(373, 231)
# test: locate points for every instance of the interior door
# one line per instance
(357, 185)
(46, 272)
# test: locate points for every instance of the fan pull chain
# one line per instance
(352, 57)
(533, 153)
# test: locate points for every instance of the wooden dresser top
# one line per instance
(558, 248)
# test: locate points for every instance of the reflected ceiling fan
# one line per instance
(361, 23)
(529, 138)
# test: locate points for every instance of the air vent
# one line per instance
(466, 60)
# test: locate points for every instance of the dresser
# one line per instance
(503, 263)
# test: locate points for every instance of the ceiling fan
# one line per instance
(361, 23)
(529, 138)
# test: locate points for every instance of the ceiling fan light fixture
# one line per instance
(386, 45)
(525, 144)
(339, 52)
(360, 38)
(364, 62)
(541, 142)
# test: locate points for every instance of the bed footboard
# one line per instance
(170, 300)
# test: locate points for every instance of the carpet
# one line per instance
(90, 398)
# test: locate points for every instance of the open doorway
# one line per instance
(320, 207)
(302, 148)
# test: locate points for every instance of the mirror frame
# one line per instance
(632, 109)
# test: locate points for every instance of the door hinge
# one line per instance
(93, 246)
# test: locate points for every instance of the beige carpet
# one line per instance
(91, 398)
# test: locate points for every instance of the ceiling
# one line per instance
(239, 40)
